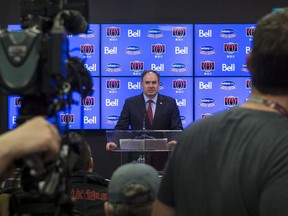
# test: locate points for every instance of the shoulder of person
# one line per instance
(165, 97)
(133, 98)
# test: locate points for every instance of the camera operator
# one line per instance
(35, 136)
(36, 65)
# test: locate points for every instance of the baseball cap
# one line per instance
(129, 174)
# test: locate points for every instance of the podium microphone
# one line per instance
(144, 120)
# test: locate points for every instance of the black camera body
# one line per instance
(35, 62)
(35, 65)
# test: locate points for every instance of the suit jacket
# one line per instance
(134, 114)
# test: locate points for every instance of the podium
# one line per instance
(144, 146)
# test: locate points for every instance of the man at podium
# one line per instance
(149, 110)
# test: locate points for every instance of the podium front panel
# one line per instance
(143, 146)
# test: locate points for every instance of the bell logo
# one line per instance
(226, 67)
(181, 103)
(157, 68)
(113, 103)
(134, 86)
(202, 85)
(179, 51)
(91, 67)
(134, 34)
(247, 49)
(202, 33)
(91, 120)
(14, 120)
(112, 51)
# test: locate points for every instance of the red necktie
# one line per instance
(149, 112)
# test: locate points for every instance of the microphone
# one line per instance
(144, 120)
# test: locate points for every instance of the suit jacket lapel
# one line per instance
(141, 104)
(159, 107)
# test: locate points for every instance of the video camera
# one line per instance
(35, 62)
(35, 65)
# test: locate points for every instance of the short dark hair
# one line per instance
(269, 55)
(84, 151)
(148, 71)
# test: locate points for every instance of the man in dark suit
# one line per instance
(135, 113)
(165, 110)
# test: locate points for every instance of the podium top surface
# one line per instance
(143, 140)
(115, 135)
(154, 131)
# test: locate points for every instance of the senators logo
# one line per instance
(87, 49)
(112, 84)
(179, 84)
(158, 49)
(207, 66)
(113, 32)
(206, 115)
(17, 102)
(230, 47)
(67, 118)
(179, 32)
(250, 31)
(137, 66)
(88, 101)
(248, 84)
(231, 101)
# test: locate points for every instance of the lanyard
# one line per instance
(270, 103)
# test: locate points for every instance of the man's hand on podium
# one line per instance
(171, 144)
(110, 146)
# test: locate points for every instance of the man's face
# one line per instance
(150, 84)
